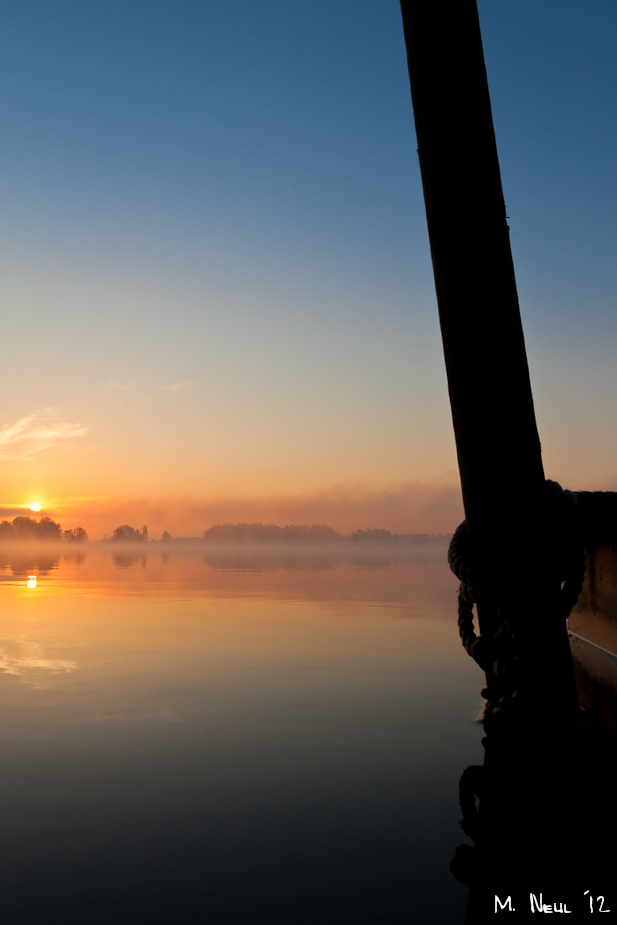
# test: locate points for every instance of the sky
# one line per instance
(218, 297)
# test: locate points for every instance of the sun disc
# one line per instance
(35, 507)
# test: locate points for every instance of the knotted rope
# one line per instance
(553, 575)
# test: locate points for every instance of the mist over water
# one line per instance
(231, 735)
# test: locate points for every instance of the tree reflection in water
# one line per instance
(128, 559)
(22, 559)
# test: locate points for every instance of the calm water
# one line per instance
(241, 737)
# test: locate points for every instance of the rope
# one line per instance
(555, 571)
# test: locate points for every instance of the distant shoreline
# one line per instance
(26, 531)
(398, 541)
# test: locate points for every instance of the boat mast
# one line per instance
(488, 378)
(499, 455)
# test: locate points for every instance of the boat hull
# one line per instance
(593, 638)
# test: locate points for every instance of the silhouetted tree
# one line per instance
(76, 535)
(166, 538)
(26, 528)
(371, 535)
(48, 529)
(126, 534)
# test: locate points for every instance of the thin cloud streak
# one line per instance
(172, 388)
(36, 432)
(119, 386)
(132, 386)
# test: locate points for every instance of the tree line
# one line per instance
(45, 530)
(314, 534)
(126, 534)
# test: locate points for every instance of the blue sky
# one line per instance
(215, 246)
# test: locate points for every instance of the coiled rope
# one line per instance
(555, 571)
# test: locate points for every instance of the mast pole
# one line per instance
(497, 440)
(510, 522)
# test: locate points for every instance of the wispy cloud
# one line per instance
(119, 386)
(38, 431)
(143, 389)
(171, 388)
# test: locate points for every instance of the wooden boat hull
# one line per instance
(592, 629)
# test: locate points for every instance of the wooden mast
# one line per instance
(488, 378)
(497, 441)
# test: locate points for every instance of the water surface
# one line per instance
(231, 736)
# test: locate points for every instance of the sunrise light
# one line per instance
(35, 507)
(31, 583)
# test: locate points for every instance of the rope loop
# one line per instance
(553, 573)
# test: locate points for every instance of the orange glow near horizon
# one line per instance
(411, 507)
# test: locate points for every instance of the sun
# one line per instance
(35, 507)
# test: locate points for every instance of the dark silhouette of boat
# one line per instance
(537, 563)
